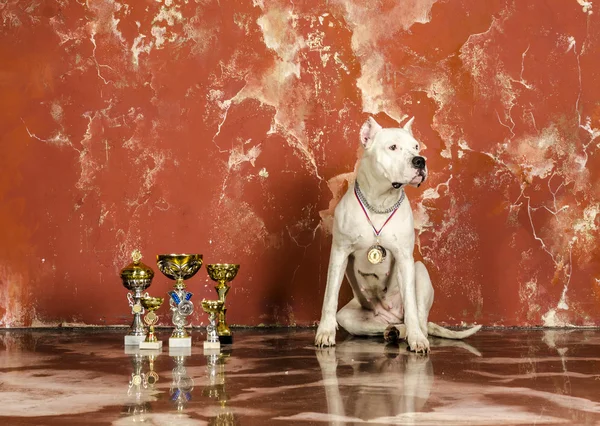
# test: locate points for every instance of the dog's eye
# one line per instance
(417, 147)
(393, 147)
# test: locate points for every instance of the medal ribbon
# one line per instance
(369, 219)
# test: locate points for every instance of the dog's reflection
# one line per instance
(366, 379)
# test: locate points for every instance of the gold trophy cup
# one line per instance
(223, 273)
(136, 277)
(151, 304)
(212, 308)
(179, 267)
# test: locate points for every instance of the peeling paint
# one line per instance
(13, 299)
(238, 156)
(586, 6)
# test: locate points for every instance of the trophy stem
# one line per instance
(211, 335)
(137, 327)
(180, 297)
(151, 336)
(222, 289)
(179, 284)
(223, 329)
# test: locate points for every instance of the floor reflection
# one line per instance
(142, 380)
(388, 379)
(216, 387)
(182, 384)
(278, 377)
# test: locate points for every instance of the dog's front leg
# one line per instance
(414, 336)
(338, 260)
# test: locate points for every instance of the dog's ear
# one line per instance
(368, 132)
(408, 125)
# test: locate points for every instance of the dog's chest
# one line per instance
(362, 231)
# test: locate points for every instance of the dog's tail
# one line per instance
(439, 331)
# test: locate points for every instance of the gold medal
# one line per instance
(376, 254)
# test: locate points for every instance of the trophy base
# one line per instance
(226, 340)
(180, 342)
(134, 340)
(212, 345)
(151, 345)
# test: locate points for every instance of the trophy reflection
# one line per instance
(223, 274)
(151, 304)
(180, 267)
(136, 278)
(141, 383)
(182, 384)
(216, 388)
(152, 376)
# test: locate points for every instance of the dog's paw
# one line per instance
(417, 341)
(325, 335)
(325, 338)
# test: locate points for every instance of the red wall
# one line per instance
(219, 127)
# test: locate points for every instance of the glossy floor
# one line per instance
(278, 377)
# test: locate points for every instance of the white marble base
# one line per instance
(134, 340)
(180, 342)
(151, 345)
(212, 345)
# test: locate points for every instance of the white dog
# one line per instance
(373, 243)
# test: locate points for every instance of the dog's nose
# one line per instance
(418, 162)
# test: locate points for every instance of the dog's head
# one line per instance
(393, 153)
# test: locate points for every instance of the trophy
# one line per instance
(179, 267)
(223, 273)
(212, 308)
(136, 277)
(151, 304)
